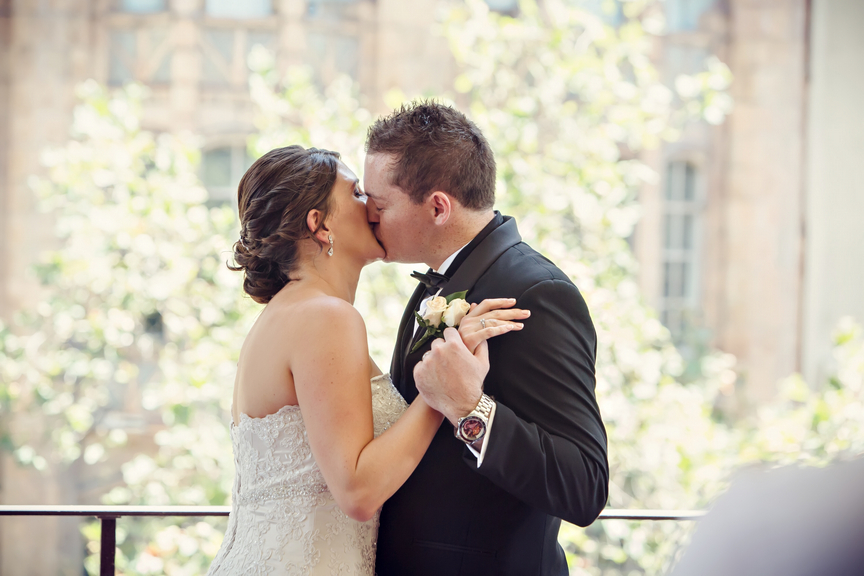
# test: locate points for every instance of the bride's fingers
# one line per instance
(492, 304)
(473, 339)
(508, 314)
(471, 326)
(490, 319)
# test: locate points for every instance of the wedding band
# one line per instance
(426, 354)
(483, 323)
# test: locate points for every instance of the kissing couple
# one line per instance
(482, 437)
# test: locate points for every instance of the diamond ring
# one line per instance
(483, 323)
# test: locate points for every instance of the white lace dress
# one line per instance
(283, 519)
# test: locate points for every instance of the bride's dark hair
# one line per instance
(273, 198)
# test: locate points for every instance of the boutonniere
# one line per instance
(441, 312)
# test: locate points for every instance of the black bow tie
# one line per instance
(432, 280)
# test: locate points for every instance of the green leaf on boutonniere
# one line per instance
(430, 332)
(420, 320)
(455, 295)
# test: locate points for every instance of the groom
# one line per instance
(529, 446)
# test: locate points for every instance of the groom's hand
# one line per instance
(450, 378)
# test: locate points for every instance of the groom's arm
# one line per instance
(548, 444)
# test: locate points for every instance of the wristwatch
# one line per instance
(472, 427)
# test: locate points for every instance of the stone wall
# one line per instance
(758, 306)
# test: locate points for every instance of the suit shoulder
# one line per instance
(522, 267)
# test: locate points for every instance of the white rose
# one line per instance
(434, 310)
(457, 310)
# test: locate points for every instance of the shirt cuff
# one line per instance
(485, 441)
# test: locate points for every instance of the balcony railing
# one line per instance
(109, 515)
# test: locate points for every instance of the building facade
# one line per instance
(748, 242)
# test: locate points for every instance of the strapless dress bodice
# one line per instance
(284, 520)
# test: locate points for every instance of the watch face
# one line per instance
(472, 428)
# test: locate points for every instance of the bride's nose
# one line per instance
(371, 211)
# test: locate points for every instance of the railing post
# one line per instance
(107, 546)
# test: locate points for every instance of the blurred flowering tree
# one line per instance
(138, 322)
(137, 305)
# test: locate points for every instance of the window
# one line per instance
(684, 15)
(225, 53)
(123, 51)
(317, 7)
(142, 6)
(218, 49)
(157, 67)
(332, 39)
(221, 170)
(331, 54)
(680, 247)
(139, 54)
(237, 9)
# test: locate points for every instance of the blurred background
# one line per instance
(691, 164)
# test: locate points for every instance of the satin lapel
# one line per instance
(399, 350)
(483, 256)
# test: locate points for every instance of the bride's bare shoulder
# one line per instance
(315, 310)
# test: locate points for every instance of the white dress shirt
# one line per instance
(443, 270)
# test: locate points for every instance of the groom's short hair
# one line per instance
(436, 147)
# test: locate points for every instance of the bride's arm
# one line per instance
(331, 378)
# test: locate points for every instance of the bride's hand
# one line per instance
(492, 317)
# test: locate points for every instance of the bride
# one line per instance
(317, 449)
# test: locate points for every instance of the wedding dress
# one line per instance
(284, 520)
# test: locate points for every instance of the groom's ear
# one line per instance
(441, 206)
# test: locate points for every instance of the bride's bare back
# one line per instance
(264, 381)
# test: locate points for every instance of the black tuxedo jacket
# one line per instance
(546, 452)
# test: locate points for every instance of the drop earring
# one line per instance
(330, 251)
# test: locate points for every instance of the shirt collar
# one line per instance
(446, 264)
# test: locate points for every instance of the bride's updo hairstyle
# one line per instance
(274, 197)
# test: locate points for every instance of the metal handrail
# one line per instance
(109, 514)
